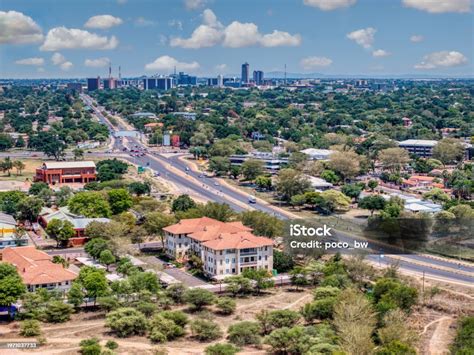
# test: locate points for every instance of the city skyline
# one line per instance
(206, 38)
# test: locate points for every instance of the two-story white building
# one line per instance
(225, 248)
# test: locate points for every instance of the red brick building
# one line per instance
(66, 172)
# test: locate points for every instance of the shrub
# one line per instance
(176, 292)
(58, 312)
(226, 305)
(205, 330)
(169, 329)
(90, 346)
(111, 344)
(198, 297)
(180, 318)
(30, 328)
(319, 309)
(244, 333)
(221, 349)
(464, 341)
(126, 322)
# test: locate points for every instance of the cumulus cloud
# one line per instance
(416, 38)
(36, 61)
(73, 38)
(329, 5)
(194, 4)
(166, 64)
(315, 62)
(57, 58)
(97, 63)
(66, 66)
(236, 35)
(439, 6)
(380, 53)
(363, 37)
(443, 59)
(103, 22)
(17, 28)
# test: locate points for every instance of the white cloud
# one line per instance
(194, 4)
(235, 35)
(176, 23)
(103, 22)
(439, 6)
(315, 62)
(329, 5)
(57, 58)
(30, 61)
(143, 22)
(417, 38)
(444, 59)
(17, 28)
(167, 64)
(97, 63)
(66, 66)
(363, 37)
(221, 67)
(279, 38)
(73, 38)
(380, 53)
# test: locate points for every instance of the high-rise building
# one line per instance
(93, 84)
(220, 80)
(258, 77)
(212, 81)
(110, 83)
(160, 83)
(185, 79)
(245, 78)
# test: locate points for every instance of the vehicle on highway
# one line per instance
(252, 199)
(216, 183)
(187, 169)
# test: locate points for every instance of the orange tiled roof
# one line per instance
(421, 178)
(239, 240)
(35, 267)
(204, 225)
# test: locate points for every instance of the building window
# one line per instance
(226, 261)
(266, 257)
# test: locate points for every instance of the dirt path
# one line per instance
(442, 336)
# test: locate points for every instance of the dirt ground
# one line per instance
(27, 173)
(65, 338)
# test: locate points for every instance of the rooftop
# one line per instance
(240, 240)
(418, 142)
(68, 164)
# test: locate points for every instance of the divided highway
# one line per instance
(175, 170)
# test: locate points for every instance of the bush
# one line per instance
(198, 297)
(111, 344)
(205, 330)
(277, 319)
(226, 305)
(396, 348)
(319, 309)
(167, 327)
(464, 341)
(325, 292)
(180, 318)
(58, 312)
(126, 322)
(147, 308)
(90, 346)
(244, 333)
(176, 292)
(221, 349)
(30, 328)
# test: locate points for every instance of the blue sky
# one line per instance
(53, 38)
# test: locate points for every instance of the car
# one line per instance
(252, 199)
(157, 174)
(201, 176)
(216, 183)
(187, 169)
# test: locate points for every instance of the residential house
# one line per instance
(8, 229)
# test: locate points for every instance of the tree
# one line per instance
(11, 285)
(30, 328)
(252, 168)
(393, 159)
(126, 322)
(205, 330)
(221, 349)
(63, 195)
(298, 200)
(291, 182)
(95, 284)
(163, 329)
(144, 281)
(78, 154)
(183, 203)
(58, 312)
(449, 151)
(220, 211)
(396, 348)
(6, 165)
(388, 291)
(139, 188)
(75, 295)
(6, 142)
(347, 164)
(372, 184)
(178, 317)
(372, 203)
(198, 298)
(90, 204)
(261, 277)
(119, 200)
(299, 277)
(282, 262)
(156, 221)
(238, 285)
(95, 246)
(352, 190)
(19, 166)
(225, 305)
(270, 321)
(61, 231)
(176, 292)
(395, 328)
(354, 320)
(107, 258)
(262, 223)
(244, 333)
(330, 176)
(29, 208)
(319, 309)
(263, 182)
(336, 200)
(219, 165)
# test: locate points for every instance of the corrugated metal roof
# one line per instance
(69, 164)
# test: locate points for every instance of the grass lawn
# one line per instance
(30, 167)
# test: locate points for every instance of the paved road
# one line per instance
(416, 264)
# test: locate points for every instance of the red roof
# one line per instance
(240, 240)
(35, 267)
